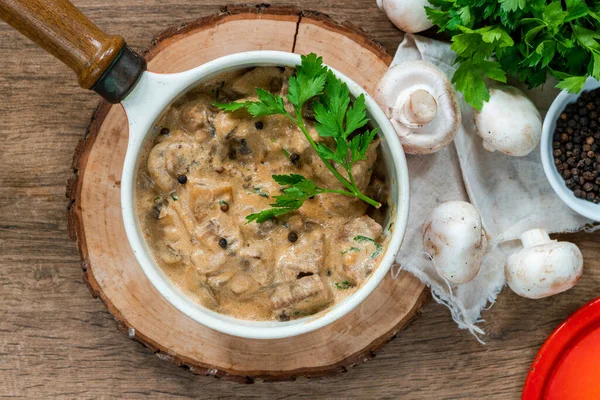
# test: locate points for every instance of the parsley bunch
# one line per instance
(527, 39)
(335, 117)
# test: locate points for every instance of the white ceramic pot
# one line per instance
(144, 106)
(103, 63)
(581, 206)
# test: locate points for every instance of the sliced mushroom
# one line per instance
(422, 105)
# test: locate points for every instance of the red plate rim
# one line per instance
(560, 340)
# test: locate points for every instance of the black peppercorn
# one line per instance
(224, 206)
(292, 236)
(259, 125)
(295, 158)
(223, 243)
(590, 196)
(232, 154)
(165, 131)
(182, 179)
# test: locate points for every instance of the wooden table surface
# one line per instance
(56, 341)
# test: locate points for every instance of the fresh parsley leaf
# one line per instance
(309, 80)
(554, 15)
(512, 5)
(356, 117)
(587, 38)
(292, 198)
(232, 106)
(465, 44)
(337, 119)
(495, 35)
(468, 79)
(576, 9)
(288, 180)
(359, 145)
(439, 17)
(269, 104)
(573, 84)
(595, 70)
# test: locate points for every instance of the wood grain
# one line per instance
(114, 275)
(63, 31)
(58, 342)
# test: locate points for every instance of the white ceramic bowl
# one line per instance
(583, 207)
(145, 105)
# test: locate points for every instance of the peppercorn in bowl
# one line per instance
(571, 149)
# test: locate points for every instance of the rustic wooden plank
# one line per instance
(57, 341)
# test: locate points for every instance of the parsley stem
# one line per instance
(351, 186)
(344, 192)
(300, 122)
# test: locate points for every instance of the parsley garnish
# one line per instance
(259, 192)
(378, 247)
(343, 285)
(529, 39)
(174, 196)
(336, 118)
(350, 249)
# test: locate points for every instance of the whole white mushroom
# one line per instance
(407, 15)
(455, 239)
(509, 122)
(543, 267)
(422, 105)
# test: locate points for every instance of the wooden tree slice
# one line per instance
(109, 265)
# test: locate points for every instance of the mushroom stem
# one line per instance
(419, 109)
(534, 237)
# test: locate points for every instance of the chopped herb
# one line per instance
(390, 226)
(260, 192)
(174, 196)
(343, 285)
(157, 198)
(378, 247)
(350, 249)
(336, 117)
(285, 153)
(223, 203)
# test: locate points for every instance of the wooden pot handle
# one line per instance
(102, 62)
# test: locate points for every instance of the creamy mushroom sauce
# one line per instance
(204, 171)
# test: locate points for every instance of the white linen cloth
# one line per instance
(511, 193)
